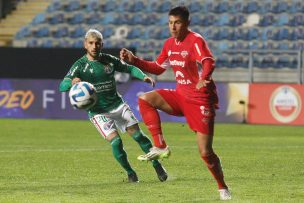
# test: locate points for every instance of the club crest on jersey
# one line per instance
(108, 68)
(184, 54)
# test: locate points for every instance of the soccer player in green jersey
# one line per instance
(111, 112)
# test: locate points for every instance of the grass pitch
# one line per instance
(67, 161)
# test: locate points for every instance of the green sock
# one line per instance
(120, 154)
(144, 143)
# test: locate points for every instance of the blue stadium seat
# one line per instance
(265, 7)
(296, 20)
(164, 6)
(54, 6)
(194, 6)
(47, 43)
(39, 18)
(32, 42)
(76, 19)
(112, 6)
(237, 20)
(23, 32)
(109, 18)
(282, 19)
(251, 7)
(252, 34)
(280, 7)
(221, 7)
(267, 20)
(222, 20)
(42, 32)
(208, 20)
(72, 6)
(297, 34)
(236, 7)
(135, 32)
(77, 32)
(281, 34)
(93, 18)
(92, 6)
(78, 43)
(222, 61)
(195, 19)
(61, 32)
(57, 18)
(296, 7)
(137, 6)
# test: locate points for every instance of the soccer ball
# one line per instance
(83, 95)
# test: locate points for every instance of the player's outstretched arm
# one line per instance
(148, 66)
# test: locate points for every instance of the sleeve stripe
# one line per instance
(197, 49)
(206, 58)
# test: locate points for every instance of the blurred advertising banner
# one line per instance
(276, 104)
(41, 99)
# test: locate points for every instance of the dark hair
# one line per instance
(181, 11)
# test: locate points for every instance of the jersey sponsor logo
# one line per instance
(104, 86)
(285, 104)
(178, 73)
(177, 63)
(184, 54)
(175, 52)
(183, 81)
(169, 53)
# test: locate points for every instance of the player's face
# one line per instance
(178, 27)
(93, 46)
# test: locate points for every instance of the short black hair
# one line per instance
(181, 11)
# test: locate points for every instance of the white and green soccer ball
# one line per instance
(83, 95)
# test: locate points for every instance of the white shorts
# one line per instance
(119, 118)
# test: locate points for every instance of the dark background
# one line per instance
(40, 63)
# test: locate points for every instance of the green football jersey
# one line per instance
(100, 73)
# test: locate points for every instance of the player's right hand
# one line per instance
(150, 80)
(75, 80)
(126, 55)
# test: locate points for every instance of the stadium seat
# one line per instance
(282, 19)
(77, 32)
(93, 18)
(92, 6)
(42, 32)
(237, 20)
(135, 32)
(54, 6)
(222, 20)
(221, 7)
(60, 32)
(194, 6)
(23, 32)
(76, 19)
(56, 18)
(296, 20)
(72, 6)
(39, 19)
(280, 7)
(251, 7)
(112, 6)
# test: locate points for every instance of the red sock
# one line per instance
(214, 165)
(151, 118)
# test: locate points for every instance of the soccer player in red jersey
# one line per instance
(195, 96)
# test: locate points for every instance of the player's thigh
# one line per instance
(200, 118)
(125, 119)
(105, 126)
(166, 100)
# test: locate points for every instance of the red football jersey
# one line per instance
(183, 56)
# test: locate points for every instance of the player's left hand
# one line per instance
(149, 80)
(202, 83)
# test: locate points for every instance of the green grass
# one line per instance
(67, 161)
